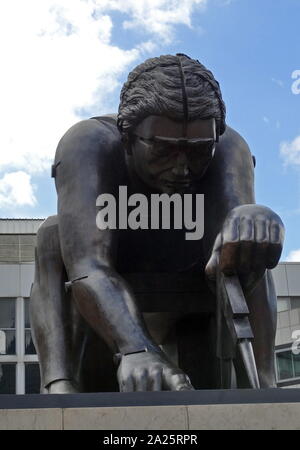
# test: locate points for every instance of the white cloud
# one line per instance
(279, 83)
(16, 190)
(293, 256)
(266, 119)
(154, 16)
(52, 63)
(290, 152)
(57, 58)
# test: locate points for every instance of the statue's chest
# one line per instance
(157, 251)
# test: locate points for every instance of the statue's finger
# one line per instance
(262, 241)
(230, 246)
(176, 382)
(156, 380)
(231, 231)
(247, 239)
(276, 232)
(262, 231)
(141, 380)
(127, 384)
(246, 229)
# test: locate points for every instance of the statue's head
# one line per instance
(171, 114)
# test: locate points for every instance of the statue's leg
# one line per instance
(52, 319)
(262, 304)
(197, 350)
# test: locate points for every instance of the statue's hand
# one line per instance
(249, 243)
(150, 371)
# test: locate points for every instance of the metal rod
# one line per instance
(246, 350)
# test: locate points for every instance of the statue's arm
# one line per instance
(89, 163)
(248, 238)
(232, 174)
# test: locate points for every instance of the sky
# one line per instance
(64, 61)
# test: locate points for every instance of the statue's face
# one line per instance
(166, 159)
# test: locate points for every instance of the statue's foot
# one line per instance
(267, 380)
(61, 387)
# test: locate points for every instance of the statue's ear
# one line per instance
(126, 140)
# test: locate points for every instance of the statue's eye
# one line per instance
(201, 152)
(162, 150)
(157, 149)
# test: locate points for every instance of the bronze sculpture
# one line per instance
(171, 124)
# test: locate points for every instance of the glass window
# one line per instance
(288, 365)
(7, 313)
(7, 327)
(19, 370)
(29, 346)
(27, 315)
(296, 361)
(2, 342)
(7, 378)
(32, 378)
(7, 342)
(283, 304)
(285, 365)
(295, 302)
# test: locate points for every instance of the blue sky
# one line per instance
(67, 60)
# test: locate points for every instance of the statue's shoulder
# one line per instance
(101, 125)
(96, 135)
(107, 119)
(233, 139)
(95, 129)
(233, 145)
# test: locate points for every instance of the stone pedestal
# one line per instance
(272, 409)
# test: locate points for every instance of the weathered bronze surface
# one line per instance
(102, 297)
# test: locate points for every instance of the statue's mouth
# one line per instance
(178, 183)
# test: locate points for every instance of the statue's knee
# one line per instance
(48, 245)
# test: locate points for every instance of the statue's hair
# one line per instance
(178, 87)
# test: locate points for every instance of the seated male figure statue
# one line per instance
(169, 137)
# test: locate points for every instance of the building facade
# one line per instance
(287, 283)
(19, 370)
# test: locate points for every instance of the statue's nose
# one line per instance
(180, 168)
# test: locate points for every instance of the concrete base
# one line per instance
(198, 410)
